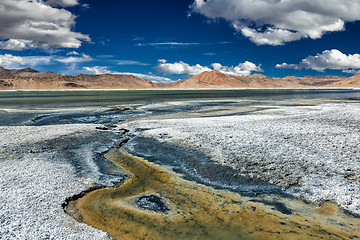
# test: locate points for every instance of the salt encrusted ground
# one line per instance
(311, 151)
(38, 174)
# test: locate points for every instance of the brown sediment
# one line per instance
(198, 211)
(327, 209)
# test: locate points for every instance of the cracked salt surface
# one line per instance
(311, 151)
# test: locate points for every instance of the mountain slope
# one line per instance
(353, 81)
(212, 79)
(216, 79)
(25, 79)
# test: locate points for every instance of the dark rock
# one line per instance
(74, 85)
(115, 109)
(152, 203)
(5, 84)
(102, 128)
(278, 206)
(123, 129)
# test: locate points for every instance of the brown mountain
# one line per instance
(4, 71)
(353, 81)
(22, 79)
(25, 79)
(216, 79)
(212, 79)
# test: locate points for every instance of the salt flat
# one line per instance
(310, 151)
(38, 172)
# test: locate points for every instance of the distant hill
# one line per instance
(27, 78)
(23, 79)
(16, 71)
(216, 79)
(353, 81)
(212, 79)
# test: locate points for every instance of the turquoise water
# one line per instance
(53, 99)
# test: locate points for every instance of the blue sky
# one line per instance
(164, 40)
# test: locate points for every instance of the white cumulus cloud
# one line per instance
(27, 24)
(243, 69)
(8, 60)
(16, 44)
(180, 68)
(328, 59)
(62, 3)
(73, 53)
(275, 22)
(98, 70)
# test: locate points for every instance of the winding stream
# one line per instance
(195, 211)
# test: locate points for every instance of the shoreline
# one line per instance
(177, 89)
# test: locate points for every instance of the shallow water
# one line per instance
(195, 166)
(55, 99)
(200, 212)
(111, 107)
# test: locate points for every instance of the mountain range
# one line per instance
(29, 79)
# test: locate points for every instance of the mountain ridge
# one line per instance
(30, 79)
(216, 79)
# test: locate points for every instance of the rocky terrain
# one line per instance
(22, 79)
(349, 82)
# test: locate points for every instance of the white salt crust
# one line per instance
(312, 151)
(32, 188)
